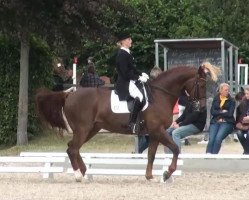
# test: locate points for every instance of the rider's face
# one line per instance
(126, 42)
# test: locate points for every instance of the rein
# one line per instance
(163, 90)
(195, 87)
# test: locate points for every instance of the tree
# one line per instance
(62, 23)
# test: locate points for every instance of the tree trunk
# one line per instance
(22, 136)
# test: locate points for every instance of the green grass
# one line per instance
(50, 142)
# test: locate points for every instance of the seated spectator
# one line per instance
(242, 113)
(222, 121)
(192, 121)
(238, 97)
(182, 102)
(91, 79)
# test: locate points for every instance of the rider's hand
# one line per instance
(142, 79)
(145, 75)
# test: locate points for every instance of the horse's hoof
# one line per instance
(149, 177)
(78, 175)
(153, 180)
(166, 176)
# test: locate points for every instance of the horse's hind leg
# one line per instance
(151, 156)
(81, 163)
(79, 138)
(73, 154)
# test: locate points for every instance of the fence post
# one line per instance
(136, 144)
(75, 61)
(47, 166)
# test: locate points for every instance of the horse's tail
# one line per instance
(49, 106)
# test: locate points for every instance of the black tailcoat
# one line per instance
(127, 71)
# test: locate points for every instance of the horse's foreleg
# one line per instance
(167, 141)
(81, 164)
(151, 157)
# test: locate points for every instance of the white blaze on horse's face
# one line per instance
(58, 64)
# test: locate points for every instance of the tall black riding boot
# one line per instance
(133, 115)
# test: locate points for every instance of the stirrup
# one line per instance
(133, 127)
(141, 125)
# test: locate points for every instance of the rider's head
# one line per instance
(124, 40)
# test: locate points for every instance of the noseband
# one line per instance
(196, 96)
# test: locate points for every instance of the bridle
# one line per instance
(195, 89)
(196, 85)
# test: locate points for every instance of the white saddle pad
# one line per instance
(121, 106)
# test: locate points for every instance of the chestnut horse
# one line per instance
(88, 110)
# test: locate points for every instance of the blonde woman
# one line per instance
(129, 78)
(222, 121)
(155, 71)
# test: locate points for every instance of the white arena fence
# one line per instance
(36, 164)
(116, 164)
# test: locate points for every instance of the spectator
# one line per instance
(238, 97)
(182, 102)
(192, 121)
(91, 79)
(242, 114)
(222, 121)
(90, 61)
(211, 89)
(154, 72)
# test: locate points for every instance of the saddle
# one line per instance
(118, 106)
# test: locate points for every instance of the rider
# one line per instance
(128, 78)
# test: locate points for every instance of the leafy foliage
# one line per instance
(175, 19)
(61, 23)
(40, 75)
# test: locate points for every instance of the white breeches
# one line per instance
(134, 91)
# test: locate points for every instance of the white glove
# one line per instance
(145, 75)
(142, 79)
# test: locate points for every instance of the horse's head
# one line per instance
(196, 86)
